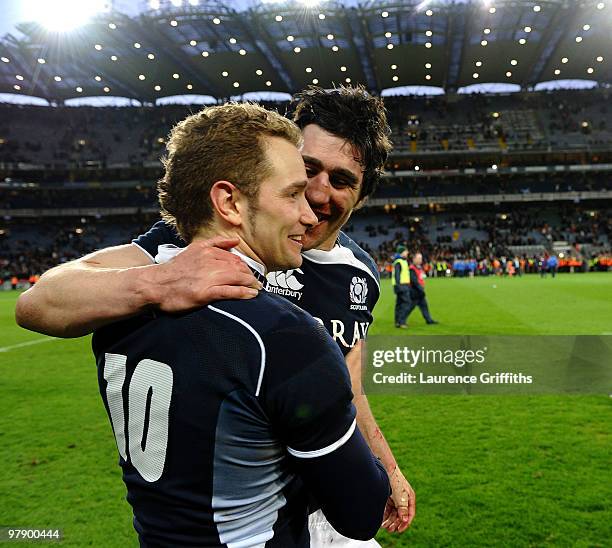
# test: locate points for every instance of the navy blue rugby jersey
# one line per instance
(339, 288)
(212, 409)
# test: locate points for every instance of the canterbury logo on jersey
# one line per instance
(358, 293)
(285, 283)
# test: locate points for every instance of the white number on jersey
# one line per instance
(149, 394)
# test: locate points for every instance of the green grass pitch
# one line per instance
(488, 471)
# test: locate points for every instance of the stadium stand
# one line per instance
(133, 136)
(525, 172)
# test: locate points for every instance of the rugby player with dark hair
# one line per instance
(227, 416)
(346, 142)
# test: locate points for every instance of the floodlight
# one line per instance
(63, 15)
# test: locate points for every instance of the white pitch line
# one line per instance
(27, 343)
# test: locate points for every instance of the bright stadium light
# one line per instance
(63, 15)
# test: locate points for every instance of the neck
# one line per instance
(329, 244)
(242, 248)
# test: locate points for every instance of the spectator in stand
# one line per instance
(417, 289)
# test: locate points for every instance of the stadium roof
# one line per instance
(210, 48)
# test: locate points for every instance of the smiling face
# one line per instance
(335, 177)
(277, 218)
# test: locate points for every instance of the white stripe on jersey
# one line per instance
(144, 251)
(325, 450)
(262, 367)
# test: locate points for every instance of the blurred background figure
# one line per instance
(417, 289)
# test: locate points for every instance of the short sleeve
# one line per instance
(306, 390)
(160, 233)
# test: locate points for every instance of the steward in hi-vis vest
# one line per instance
(401, 286)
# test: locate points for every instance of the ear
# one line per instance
(360, 203)
(226, 201)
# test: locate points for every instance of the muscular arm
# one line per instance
(75, 298)
(403, 499)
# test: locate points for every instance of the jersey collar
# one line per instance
(258, 269)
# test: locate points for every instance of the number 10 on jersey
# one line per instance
(148, 406)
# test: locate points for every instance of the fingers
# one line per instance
(388, 510)
(407, 510)
(411, 507)
(390, 522)
(223, 292)
(403, 519)
(231, 277)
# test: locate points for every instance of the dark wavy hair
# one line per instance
(351, 113)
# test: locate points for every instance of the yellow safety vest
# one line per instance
(404, 272)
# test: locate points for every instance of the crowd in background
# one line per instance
(136, 135)
(28, 249)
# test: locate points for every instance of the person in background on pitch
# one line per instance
(417, 289)
(401, 286)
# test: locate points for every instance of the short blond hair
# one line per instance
(220, 143)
